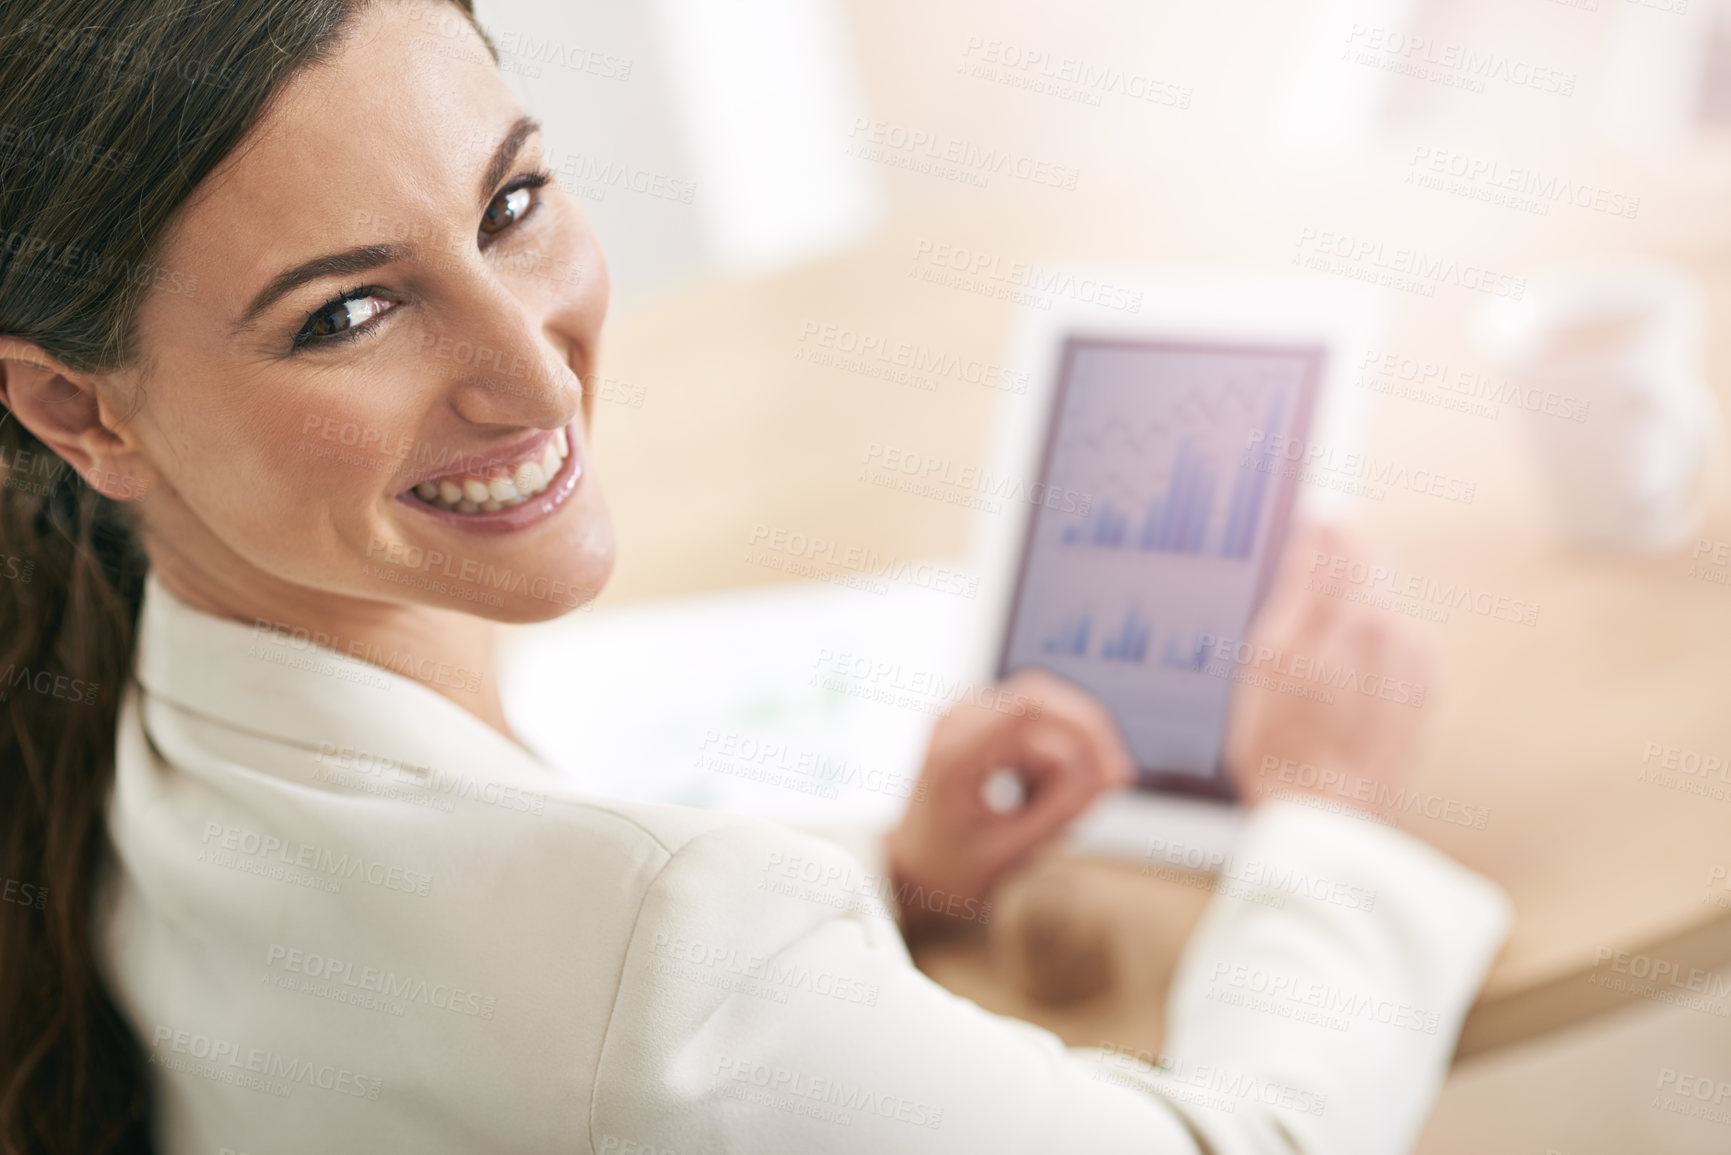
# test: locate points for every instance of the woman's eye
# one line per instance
(505, 210)
(342, 315)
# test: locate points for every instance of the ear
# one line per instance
(66, 413)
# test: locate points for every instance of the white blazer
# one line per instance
(344, 915)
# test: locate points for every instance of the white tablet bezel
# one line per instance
(1175, 306)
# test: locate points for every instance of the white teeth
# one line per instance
(471, 494)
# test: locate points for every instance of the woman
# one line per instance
(295, 887)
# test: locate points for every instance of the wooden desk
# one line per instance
(1546, 726)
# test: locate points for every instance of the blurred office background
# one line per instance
(714, 147)
(761, 175)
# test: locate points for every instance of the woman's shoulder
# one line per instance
(709, 852)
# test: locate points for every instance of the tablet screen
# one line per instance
(1175, 453)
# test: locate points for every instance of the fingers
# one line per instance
(1063, 778)
(1067, 752)
(1068, 756)
(1062, 743)
(1291, 607)
(1299, 618)
(1363, 724)
(975, 740)
(1073, 708)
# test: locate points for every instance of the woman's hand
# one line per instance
(952, 845)
(1357, 750)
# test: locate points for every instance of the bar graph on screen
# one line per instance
(1133, 641)
(1130, 644)
(1182, 514)
(1071, 639)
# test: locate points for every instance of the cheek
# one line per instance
(295, 471)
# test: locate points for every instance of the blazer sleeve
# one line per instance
(767, 1004)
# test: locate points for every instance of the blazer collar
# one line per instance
(288, 690)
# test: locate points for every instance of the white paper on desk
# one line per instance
(732, 701)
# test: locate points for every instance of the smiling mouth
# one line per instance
(499, 486)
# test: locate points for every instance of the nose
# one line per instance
(500, 364)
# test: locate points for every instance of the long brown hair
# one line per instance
(111, 114)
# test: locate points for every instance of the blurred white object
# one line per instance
(701, 138)
(1656, 64)
(766, 96)
(1330, 106)
(1630, 472)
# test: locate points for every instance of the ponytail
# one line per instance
(72, 574)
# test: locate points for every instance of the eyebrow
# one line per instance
(364, 257)
(355, 260)
(505, 155)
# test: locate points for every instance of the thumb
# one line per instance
(1061, 780)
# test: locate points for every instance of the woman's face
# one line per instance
(375, 391)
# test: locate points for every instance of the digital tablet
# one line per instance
(1181, 382)
(1176, 492)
